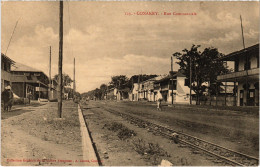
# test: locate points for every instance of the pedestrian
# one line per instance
(159, 99)
(4, 99)
(29, 96)
(7, 98)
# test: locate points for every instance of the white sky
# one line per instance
(106, 42)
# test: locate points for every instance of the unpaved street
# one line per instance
(233, 129)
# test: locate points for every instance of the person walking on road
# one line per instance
(7, 98)
(29, 96)
(159, 99)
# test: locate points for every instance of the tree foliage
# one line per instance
(205, 67)
(66, 79)
(119, 81)
(103, 89)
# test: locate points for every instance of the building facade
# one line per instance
(173, 88)
(245, 75)
(6, 64)
(26, 80)
(53, 90)
(147, 89)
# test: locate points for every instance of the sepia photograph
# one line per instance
(129, 83)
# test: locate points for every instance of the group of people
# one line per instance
(7, 98)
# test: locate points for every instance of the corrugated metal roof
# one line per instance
(22, 67)
(232, 55)
(5, 57)
(178, 74)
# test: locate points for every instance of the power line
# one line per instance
(11, 36)
(69, 28)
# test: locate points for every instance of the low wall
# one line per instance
(218, 101)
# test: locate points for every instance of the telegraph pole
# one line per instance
(247, 63)
(172, 77)
(190, 81)
(60, 61)
(242, 32)
(74, 80)
(171, 64)
(50, 75)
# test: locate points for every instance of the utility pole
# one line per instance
(171, 64)
(247, 63)
(190, 80)
(74, 80)
(50, 75)
(172, 77)
(242, 32)
(60, 61)
(138, 87)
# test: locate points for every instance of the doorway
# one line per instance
(251, 97)
(241, 97)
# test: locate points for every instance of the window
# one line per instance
(8, 67)
(29, 77)
(247, 64)
(236, 65)
(186, 82)
(5, 66)
(257, 57)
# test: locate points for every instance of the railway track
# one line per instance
(223, 154)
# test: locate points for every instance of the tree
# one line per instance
(66, 79)
(98, 93)
(140, 78)
(103, 89)
(205, 66)
(119, 81)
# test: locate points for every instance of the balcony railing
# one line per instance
(238, 74)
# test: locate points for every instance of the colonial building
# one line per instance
(6, 63)
(170, 85)
(111, 93)
(173, 86)
(53, 90)
(27, 80)
(147, 88)
(245, 75)
(133, 94)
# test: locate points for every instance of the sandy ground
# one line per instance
(35, 137)
(236, 130)
(113, 151)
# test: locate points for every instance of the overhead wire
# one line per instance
(69, 36)
(12, 36)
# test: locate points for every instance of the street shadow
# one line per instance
(14, 112)
(37, 105)
(88, 108)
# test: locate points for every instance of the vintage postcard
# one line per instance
(129, 83)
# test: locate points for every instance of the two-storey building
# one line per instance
(27, 80)
(245, 75)
(173, 87)
(6, 64)
(148, 88)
